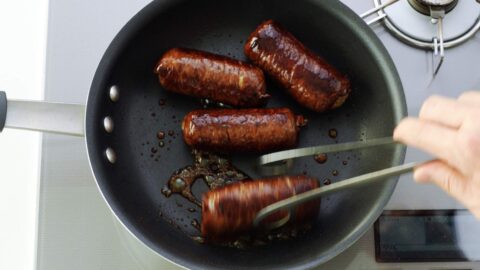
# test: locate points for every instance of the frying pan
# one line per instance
(127, 107)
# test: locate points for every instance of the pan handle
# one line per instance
(43, 116)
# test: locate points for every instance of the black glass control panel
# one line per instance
(427, 236)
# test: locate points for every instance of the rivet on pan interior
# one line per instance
(111, 156)
(114, 93)
(108, 124)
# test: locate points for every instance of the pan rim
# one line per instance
(143, 15)
(343, 13)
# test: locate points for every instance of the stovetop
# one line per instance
(76, 229)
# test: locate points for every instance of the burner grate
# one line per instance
(425, 27)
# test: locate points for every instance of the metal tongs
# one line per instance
(281, 160)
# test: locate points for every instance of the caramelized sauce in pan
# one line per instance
(332, 133)
(161, 135)
(216, 172)
(196, 224)
(321, 158)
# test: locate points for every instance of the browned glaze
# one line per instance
(160, 135)
(229, 211)
(310, 80)
(285, 233)
(218, 78)
(245, 130)
(166, 191)
(212, 169)
(332, 133)
(195, 224)
(198, 239)
(321, 158)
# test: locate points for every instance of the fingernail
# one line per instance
(420, 176)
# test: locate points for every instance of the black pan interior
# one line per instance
(132, 185)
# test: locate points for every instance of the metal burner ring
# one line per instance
(423, 6)
(423, 44)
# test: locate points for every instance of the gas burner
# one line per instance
(417, 29)
(429, 24)
(424, 6)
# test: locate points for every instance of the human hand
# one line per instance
(450, 130)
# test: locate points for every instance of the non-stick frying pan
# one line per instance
(126, 109)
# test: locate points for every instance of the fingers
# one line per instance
(433, 138)
(444, 176)
(470, 97)
(444, 111)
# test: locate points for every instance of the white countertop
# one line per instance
(23, 35)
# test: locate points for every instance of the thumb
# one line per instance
(444, 176)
